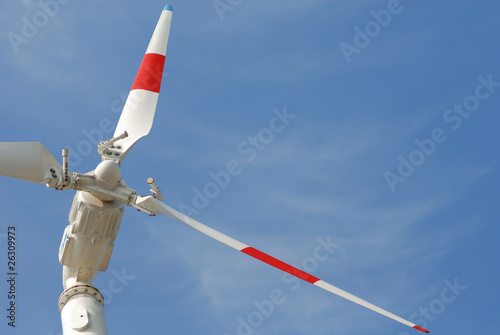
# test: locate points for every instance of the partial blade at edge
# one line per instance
(29, 161)
(155, 206)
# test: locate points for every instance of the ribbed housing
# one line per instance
(93, 218)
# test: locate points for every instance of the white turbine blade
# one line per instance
(139, 110)
(29, 161)
(154, 206)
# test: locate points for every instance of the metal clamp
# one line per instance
(103, 147)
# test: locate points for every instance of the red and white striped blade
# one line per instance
(139, 110)
(156, 206)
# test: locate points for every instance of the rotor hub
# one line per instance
(108, 171)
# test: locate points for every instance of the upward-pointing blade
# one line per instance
(152, 205)
(139, 110)
(30, 161)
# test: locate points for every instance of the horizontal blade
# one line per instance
(29, 161)
(154, 206)
(139, 110)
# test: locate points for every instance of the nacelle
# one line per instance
(88, 240)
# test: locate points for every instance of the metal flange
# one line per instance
(80, 289)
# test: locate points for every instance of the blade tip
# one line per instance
(421, 329)
(169, 7)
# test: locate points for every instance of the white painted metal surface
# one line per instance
(82, 311)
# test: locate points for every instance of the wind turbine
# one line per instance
(99, 204)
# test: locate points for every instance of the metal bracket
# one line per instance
(104, 147)
(62, 179)
(120, 192)
(155, 190)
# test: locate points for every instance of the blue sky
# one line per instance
(391, 157)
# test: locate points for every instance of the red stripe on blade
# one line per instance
(421, 329)
(279, 264)
(150, 73)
